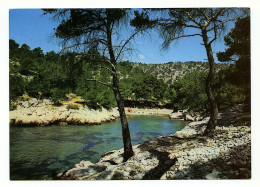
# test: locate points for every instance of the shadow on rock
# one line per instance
(165, 163)
(235, 164)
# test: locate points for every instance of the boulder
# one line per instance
(192, 129)
(176, 115)
(189, 118)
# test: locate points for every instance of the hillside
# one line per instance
(172, 71)
(53, 75)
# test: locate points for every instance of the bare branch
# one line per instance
(222, 22)
(126, 42)
(204, 14)
(103, 67)
(209, 20)
(83, 43)
(192, 19)
(184, 36)
(169, 22)
(192, 26)
(93, 80)
(98, 81)
(215, 34)
(217, 14)
(111, 64)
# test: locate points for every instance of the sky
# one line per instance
(31, 27)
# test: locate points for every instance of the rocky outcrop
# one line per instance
(185, 115)
(176, 115)
(183, 155)
(193, 129)
(36, 112)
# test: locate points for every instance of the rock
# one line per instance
(83, 164)
(213, 175)
(198, 118)
(33, 102)
(188, 118)
(46, 102)
(31, 113)
(25, 104)
(107, 153)
(192, 129)
(176, 115)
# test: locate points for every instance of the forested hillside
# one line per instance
(173, 85)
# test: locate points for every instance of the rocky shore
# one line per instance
(187, 154)
(42, 113)
(34, 112)
(185, 115)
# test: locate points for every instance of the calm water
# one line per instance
(42, 152)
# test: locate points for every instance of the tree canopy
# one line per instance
(238, 52)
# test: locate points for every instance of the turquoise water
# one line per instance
(41, 152)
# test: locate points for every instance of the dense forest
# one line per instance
(173, 85)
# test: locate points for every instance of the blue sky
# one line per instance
(36, 30)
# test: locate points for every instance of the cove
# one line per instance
(38, 153)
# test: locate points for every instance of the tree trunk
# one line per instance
(213, 106)
(128, 151)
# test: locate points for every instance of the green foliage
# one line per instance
(189, 92)
(235, 81)
(150, 89)
(229, 91)
(53, 75)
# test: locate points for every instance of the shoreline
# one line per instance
(143, 111)
(187, 154)
(47, 115)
